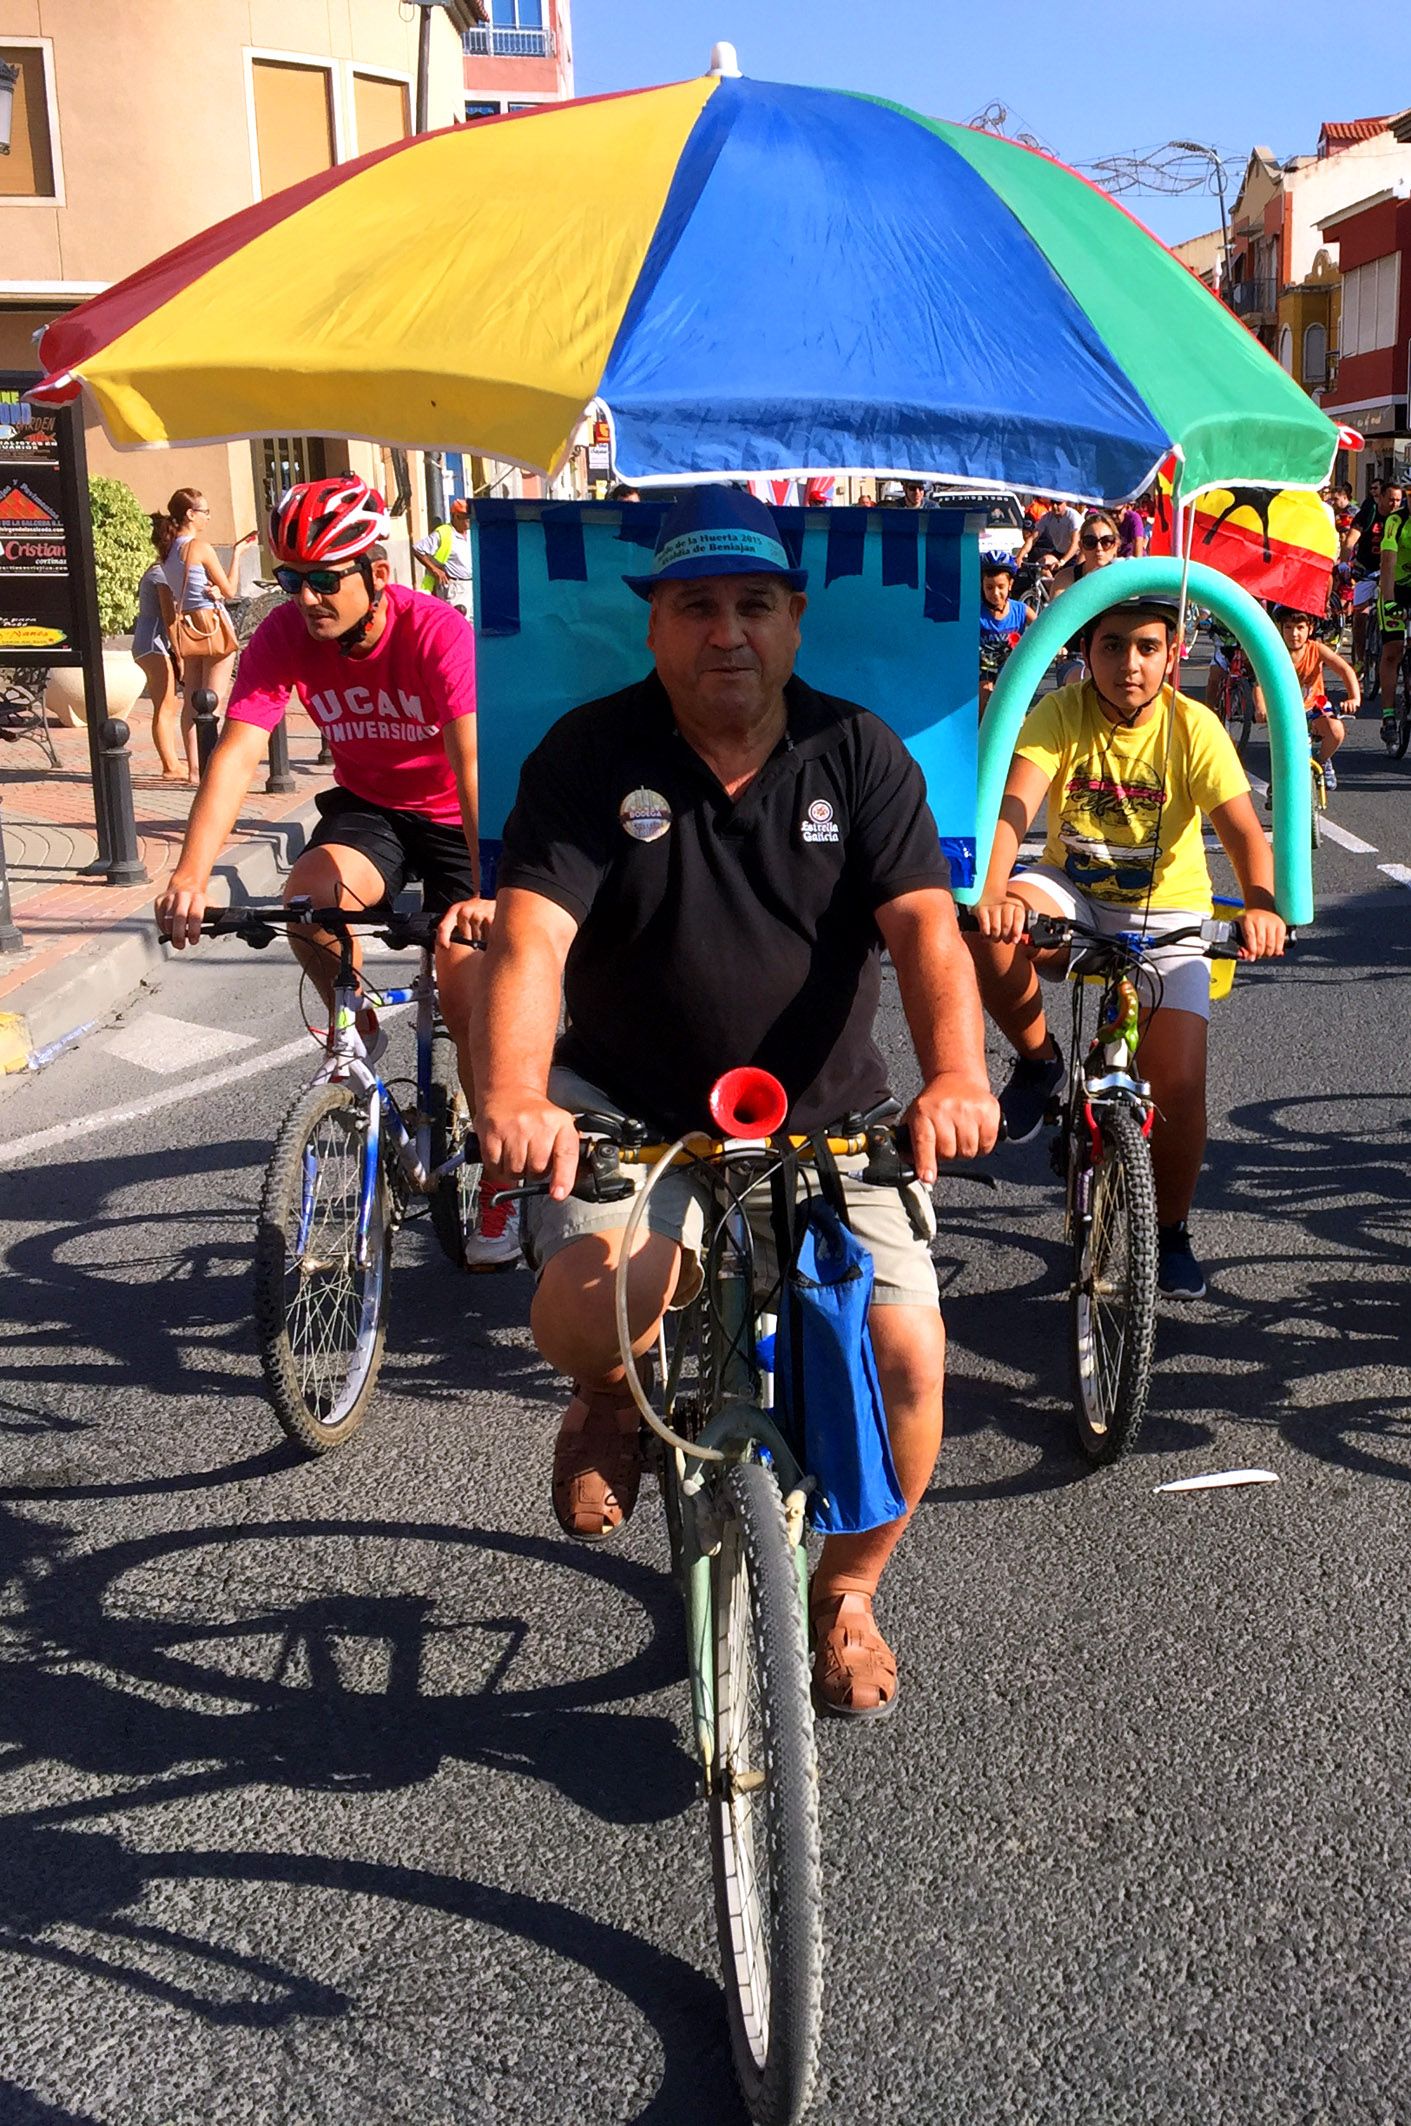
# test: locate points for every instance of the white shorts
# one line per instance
(1364, 591)
(1184, 970)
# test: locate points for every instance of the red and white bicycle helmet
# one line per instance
(324, 521)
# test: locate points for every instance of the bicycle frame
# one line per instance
(345, 1063)
(1115, 1082)
(740, 1427)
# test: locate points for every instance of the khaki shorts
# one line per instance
(904, 1274)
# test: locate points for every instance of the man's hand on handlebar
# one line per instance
(1263, 933)
(467, 922)
(524, 1136)
(180, 907)
(953, 1117)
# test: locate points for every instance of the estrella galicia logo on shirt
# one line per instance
(645, 815)
(818, 823)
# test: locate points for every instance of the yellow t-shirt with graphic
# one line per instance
(1124, 803)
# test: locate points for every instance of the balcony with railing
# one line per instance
(485, 42)
(1252, 298)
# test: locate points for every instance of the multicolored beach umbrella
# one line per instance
(753, 279)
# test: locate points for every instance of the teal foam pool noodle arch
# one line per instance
(1160, 576)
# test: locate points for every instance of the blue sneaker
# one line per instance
(1178, 1273)
(1032, 1084)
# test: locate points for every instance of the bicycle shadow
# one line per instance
(70, 1292)
(20, 2107)
(92, 1881)
(130, 1676)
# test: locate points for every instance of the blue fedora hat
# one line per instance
(717, 531)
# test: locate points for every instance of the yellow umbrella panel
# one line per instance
(274, 320)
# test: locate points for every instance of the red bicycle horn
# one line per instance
(748, 1103)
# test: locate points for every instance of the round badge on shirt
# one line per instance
(645, 815)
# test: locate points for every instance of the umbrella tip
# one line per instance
(724, 62)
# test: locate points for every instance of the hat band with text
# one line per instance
(695, 546)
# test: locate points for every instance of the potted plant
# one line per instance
(122, 552)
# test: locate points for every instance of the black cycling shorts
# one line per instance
(402, 845)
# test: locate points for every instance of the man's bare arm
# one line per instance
(521, 1131)
(229, 774)
(955, 1115)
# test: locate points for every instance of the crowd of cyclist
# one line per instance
(1370, 591)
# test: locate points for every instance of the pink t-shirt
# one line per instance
(381, 714)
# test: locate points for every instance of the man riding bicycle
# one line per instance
(1393, 592)
(709, 864)
(388, 675)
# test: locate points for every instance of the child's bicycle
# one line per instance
(1229, 688)
(1103, 1156)
(345, 1165)
(735, 1498)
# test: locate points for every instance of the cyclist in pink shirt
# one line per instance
(388, 675)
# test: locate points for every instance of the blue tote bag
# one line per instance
(827, 1397)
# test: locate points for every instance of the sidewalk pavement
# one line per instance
(88, 945)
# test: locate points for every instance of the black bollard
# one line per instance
(325, 757)
(203, 706)
(10, 939)
(281, 779)
(124, 866)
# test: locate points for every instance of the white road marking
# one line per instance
(165, 1045)
(1330, 829)
(1397, 871)
(133, 1111)
(115, 1117)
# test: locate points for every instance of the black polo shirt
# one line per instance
(715, 932)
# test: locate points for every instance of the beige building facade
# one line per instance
(138, 122)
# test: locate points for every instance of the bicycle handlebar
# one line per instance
(1048, 932)
(259, 922)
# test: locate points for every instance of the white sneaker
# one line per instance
(494, 1244)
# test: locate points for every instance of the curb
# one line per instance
(58, 1006)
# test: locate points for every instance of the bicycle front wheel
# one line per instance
(455, 1196)
(321, 1314)
(1114, 1292)
(1241, 713)
(764, 1803)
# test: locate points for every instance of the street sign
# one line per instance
(39, 602)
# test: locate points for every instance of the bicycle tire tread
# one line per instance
(448, 1199)
(283, 1176)
(779, 2093)
(1123, 1135)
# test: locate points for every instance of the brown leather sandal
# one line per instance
(597, 1464)
(854, 1669)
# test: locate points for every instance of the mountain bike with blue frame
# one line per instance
(346, 1164)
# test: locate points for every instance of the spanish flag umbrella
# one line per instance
(753, 279)
(1281, 544)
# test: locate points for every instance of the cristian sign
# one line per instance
(38, 600)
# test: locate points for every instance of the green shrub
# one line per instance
(122, 548)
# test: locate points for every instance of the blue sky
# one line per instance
(1088, 77)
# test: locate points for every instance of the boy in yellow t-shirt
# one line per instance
(1128, 766)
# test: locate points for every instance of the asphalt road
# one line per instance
(348, 1792)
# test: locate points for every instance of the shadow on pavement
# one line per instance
(208, 1661)
(19, 2108)
(91, 1880)
(75, 1275)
